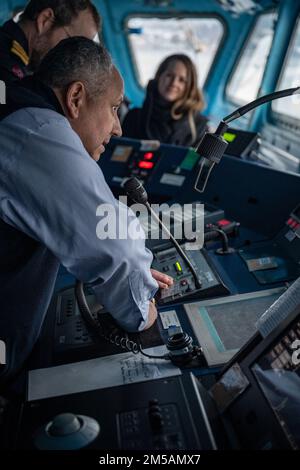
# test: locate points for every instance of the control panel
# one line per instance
(184, 288)
(156, 426)
(241, 143)
(293, 224)
(277, 260)
(252, 404)
(128, 157)
(142, 163)
(68, 338)
(165, 414)
(162, 168)
(136, 158)
(178, 217)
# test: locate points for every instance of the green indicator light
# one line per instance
(229, 137)
(178, 267)
(189, 160)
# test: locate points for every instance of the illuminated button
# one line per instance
(146, 165)
(290, 221)
(178, 267)
(293, 224)
(183, 282)
(223, 222)
(148, 156)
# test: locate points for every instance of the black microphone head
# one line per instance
(212, 147)
(136, 191)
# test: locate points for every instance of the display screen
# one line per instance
(121, 153)
(278, 375)
(222, 326)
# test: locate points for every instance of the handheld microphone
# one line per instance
(212, 147)
(137, 193)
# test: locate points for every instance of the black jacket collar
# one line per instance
(16, 33)
(29, 93)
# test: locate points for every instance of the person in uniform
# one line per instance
(41, 26)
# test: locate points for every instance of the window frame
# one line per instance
(163, 16)
(275, 117)
(229, 97)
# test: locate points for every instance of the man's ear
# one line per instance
(45, 20)
(75, 99)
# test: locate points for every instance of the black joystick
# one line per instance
(181, 349)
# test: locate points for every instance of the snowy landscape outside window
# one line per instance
(153, 39)
(245, 82)
(290, 78)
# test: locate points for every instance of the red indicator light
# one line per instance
(293, 224)
(148, 156)
(146, 165)
(223, 222)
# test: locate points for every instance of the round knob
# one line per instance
(67, 431)
(64, 424)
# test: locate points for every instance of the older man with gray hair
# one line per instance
(53, 128)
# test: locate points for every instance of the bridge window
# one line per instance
(289, 108)
(153, 39)
(246, 80)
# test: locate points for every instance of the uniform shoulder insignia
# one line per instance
(19, 51)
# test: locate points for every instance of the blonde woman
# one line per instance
(171, 110)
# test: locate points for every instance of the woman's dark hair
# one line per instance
(64, 10)
(193, 99)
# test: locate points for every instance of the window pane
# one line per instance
(245, 82)
(290, 78)
(153, 39)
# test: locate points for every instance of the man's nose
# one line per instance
(117, 129)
